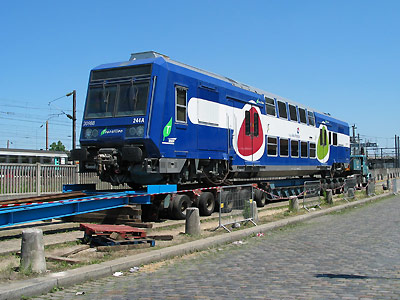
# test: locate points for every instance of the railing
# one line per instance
(235, 205)
(39, 179)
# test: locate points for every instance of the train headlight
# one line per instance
(88, 133)
(95, 133)
(140, 131)
(136, 131)
(132, 131)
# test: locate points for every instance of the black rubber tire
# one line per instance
(244, 195)
(179, 206)
(206, 204)
(227, 200)
(260, 197)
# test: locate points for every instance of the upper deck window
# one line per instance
(292, 112)
(181, 104)
(311, 118)
(282, 110)
(302, 115)
(270, 106)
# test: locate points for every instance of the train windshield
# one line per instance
(124, 99)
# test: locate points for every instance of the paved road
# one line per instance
(349, 255)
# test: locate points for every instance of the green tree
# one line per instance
(57, 146)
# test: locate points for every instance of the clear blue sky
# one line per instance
(341, 57)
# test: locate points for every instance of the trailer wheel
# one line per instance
(206, 204)
(260, 198)
(179, 206)
(227, 201)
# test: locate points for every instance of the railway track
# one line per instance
(43, 199)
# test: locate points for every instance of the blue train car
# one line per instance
(154, 120)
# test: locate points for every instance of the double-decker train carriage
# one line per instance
(153, 120)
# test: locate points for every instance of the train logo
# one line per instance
(323, 144)
(167, 129)
(248, 135)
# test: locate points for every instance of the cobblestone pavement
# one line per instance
(350, 255)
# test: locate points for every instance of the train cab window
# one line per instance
(311, 118)
(270, 106)
(284, 147)
(292, 113)
(335, 139)
(132, 100)
(282, 110)
(330, 138)
(181, 104)
(304, 150)
(312, 150)
(101, 101)
(302, 115)
(294, 148)
(272, 146)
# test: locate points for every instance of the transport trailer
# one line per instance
(167, 200)
(21, 212)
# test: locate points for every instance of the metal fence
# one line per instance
(235, 205)
(311, 195)
(39, 179)
(100, 185)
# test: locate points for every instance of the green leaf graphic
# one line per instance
(103, 131)
(167, 129)
(323, 145)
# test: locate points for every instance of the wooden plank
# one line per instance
(139, 224)
(161, 237)
(83, 247)
(122, 247)
(53, 197)
(63, 259)
(99, 219)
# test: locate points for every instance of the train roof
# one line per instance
(28, 152)
(152, 56)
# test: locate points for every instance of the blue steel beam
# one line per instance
(45, 211)
(63, 208)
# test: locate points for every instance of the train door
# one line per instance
(250, 140)
(211, 134)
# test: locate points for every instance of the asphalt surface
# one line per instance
(348, 255)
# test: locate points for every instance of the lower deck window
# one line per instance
(272, 146)
(304, 148)
(284, 147)
(294, 148)
(312, 150)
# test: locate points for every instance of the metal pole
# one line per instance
(398, 152)
(395, 151)
(74, 119)
(47, 134)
